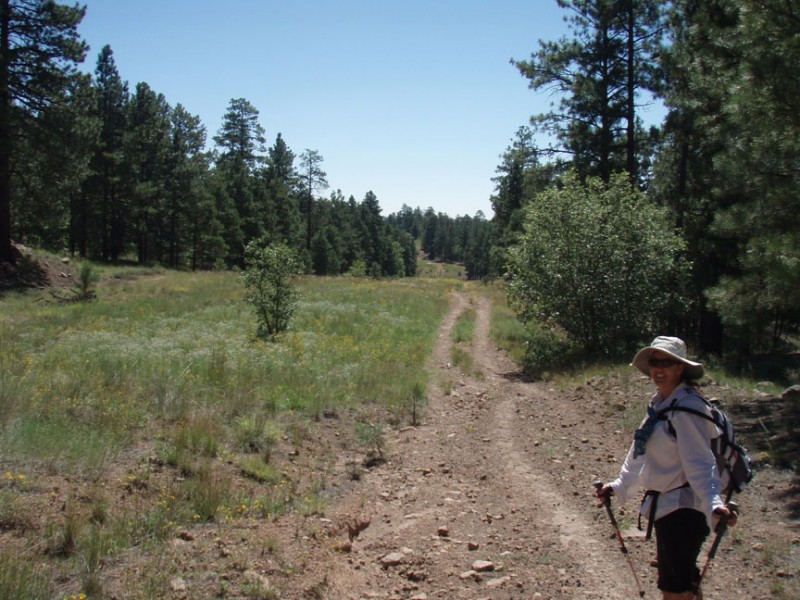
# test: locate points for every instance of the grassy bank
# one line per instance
(160, 394)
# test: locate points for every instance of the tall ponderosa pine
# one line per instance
(192, 231)
(146, 151)
(39, 50)
(684, 169)
(519, 178)
(372, 240)
(599, 74)
(758, 171)
(108, 210)
(241, 140)
(313, 179)
(729, 167)
(477, 252)
(281, 182)
(50, 165)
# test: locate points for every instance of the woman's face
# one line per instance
(666, 372)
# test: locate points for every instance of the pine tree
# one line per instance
(684, 168)
(729, 168)
(520, 177)
(51, 164)
(758, 179)
(372, 240)
(190, 220)
(599, 74)
(39, 50)
(281, 181)
(241, 138)
(146, 150)
(313, 179)
(108, 211)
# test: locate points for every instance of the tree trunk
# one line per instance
(6, 254)
(308, 220)
(631, 108)
(606, 122)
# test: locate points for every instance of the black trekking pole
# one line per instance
(721, 530)
(607, 503)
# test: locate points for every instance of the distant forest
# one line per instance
(92, 167)
(114, 174)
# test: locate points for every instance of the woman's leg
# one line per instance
(679, 538)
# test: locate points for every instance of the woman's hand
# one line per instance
(723, 512)
(604, 492)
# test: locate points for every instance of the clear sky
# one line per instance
(415, 100)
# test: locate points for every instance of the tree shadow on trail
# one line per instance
(767, 426)
(517, 376)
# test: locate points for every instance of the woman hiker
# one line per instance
(671, 459)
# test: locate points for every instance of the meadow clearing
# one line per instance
(165, 367)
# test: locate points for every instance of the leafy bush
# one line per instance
(268, 278)
(600, 261)
(545, 350)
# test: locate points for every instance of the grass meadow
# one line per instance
(165, 369)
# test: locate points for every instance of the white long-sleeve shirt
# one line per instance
(671, 461)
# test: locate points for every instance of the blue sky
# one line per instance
(413, 100)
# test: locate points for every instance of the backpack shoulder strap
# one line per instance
(675, 406)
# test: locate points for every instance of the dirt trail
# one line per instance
(472, 488)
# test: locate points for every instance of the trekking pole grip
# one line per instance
(606, 498)
(722, 528)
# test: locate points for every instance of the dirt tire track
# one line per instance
(467, 486)
(565, 515)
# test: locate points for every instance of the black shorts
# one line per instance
(679, 538)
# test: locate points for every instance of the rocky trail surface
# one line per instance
(469, 507)
(491, 496)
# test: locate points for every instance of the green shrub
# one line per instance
(268, 279)
(87, 278)
(545, 351)
(255, 468)
(417, 400)
(207, 492)
(370, 436)
(254, 433)
(601, 261)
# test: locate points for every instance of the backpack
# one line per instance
(733, 461)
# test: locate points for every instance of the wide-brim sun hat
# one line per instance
(672, 347)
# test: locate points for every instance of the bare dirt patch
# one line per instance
(34, 271)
